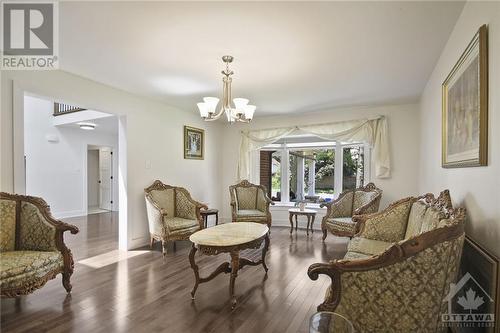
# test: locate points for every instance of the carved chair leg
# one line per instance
(66, 281)
(164, 247)
(152, 243)
(175, 246)
(325, 232)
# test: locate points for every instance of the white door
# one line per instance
(105, 178)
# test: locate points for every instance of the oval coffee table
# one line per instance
(229, 238)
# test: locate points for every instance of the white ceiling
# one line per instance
(289, 56)
(105, 125)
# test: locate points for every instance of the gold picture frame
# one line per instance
(465, 107)
(194, 143)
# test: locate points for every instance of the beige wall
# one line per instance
(403, 132)
(154, 134)
(475, 188)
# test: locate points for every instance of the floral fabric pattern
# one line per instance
(184, 208)
(165, 200)
(177, 223)
(341, 225)
(367, 246)
(415, 218)
(35, 232)
(342, 207)
(18, 268)
(390, 225)
(362, 198)
(246, 197)
(403, 297)
(7, 225)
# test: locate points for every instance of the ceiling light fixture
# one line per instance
(87, 126)
(241, 112)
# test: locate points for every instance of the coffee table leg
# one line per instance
(308, 221)
(296, 222)
(195, 270)
(264, 251)
(291, 222)
(235, 266)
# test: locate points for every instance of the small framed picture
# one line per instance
(465, 107)
(194, 143)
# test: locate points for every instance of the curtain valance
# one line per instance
(371, 131)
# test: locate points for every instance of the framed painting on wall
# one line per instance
(194, 143)
(465, 107)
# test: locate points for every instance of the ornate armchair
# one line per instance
(398, 269)
(172, 213)
(338, 218)
(32, 249)
(250, 203)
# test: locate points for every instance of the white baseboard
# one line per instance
(69, 213)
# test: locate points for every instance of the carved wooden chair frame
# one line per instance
(60, 228)
(246, 184)
(370, 187)
(158, 185)
(397, 252)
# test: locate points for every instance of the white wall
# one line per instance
(403, 132)
(475, 188)
(154, 134)
(93, 178)
(57, 171)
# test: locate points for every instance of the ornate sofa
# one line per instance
(172, 213)
(250, 203)
(32, 249)
(338, 217)
(399, 267)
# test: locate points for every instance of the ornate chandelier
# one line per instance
(241, 111)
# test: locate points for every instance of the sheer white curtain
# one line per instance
(371, 131)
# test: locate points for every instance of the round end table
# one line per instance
(329, 322)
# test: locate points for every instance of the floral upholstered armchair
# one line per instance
(250, 203)
(338, 217)
(398, 269)
(172, 213)
(32, 249)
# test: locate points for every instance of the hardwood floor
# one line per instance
(140, 291)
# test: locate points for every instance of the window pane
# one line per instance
(324, 173)
(276, 176)
(353, 168)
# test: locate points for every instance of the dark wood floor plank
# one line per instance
(151, 293)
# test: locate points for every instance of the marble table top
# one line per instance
(229, 234)
(305, 211)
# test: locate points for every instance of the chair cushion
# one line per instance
(343, 207)
(18, 268)
(367, 246)
(246, 197)
(431, 219)
(7, 225)
(164, 199)
(415, 219)
(178, 223)
(350, 255)
(341, 225)
(389, 226)
(361, 198)
(250, 212)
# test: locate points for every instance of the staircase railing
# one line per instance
(60, 109)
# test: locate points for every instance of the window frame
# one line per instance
(285, 148)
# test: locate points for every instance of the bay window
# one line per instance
(310, 169)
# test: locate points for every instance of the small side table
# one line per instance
(326, 322)
(206, 213)
(309, 213)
